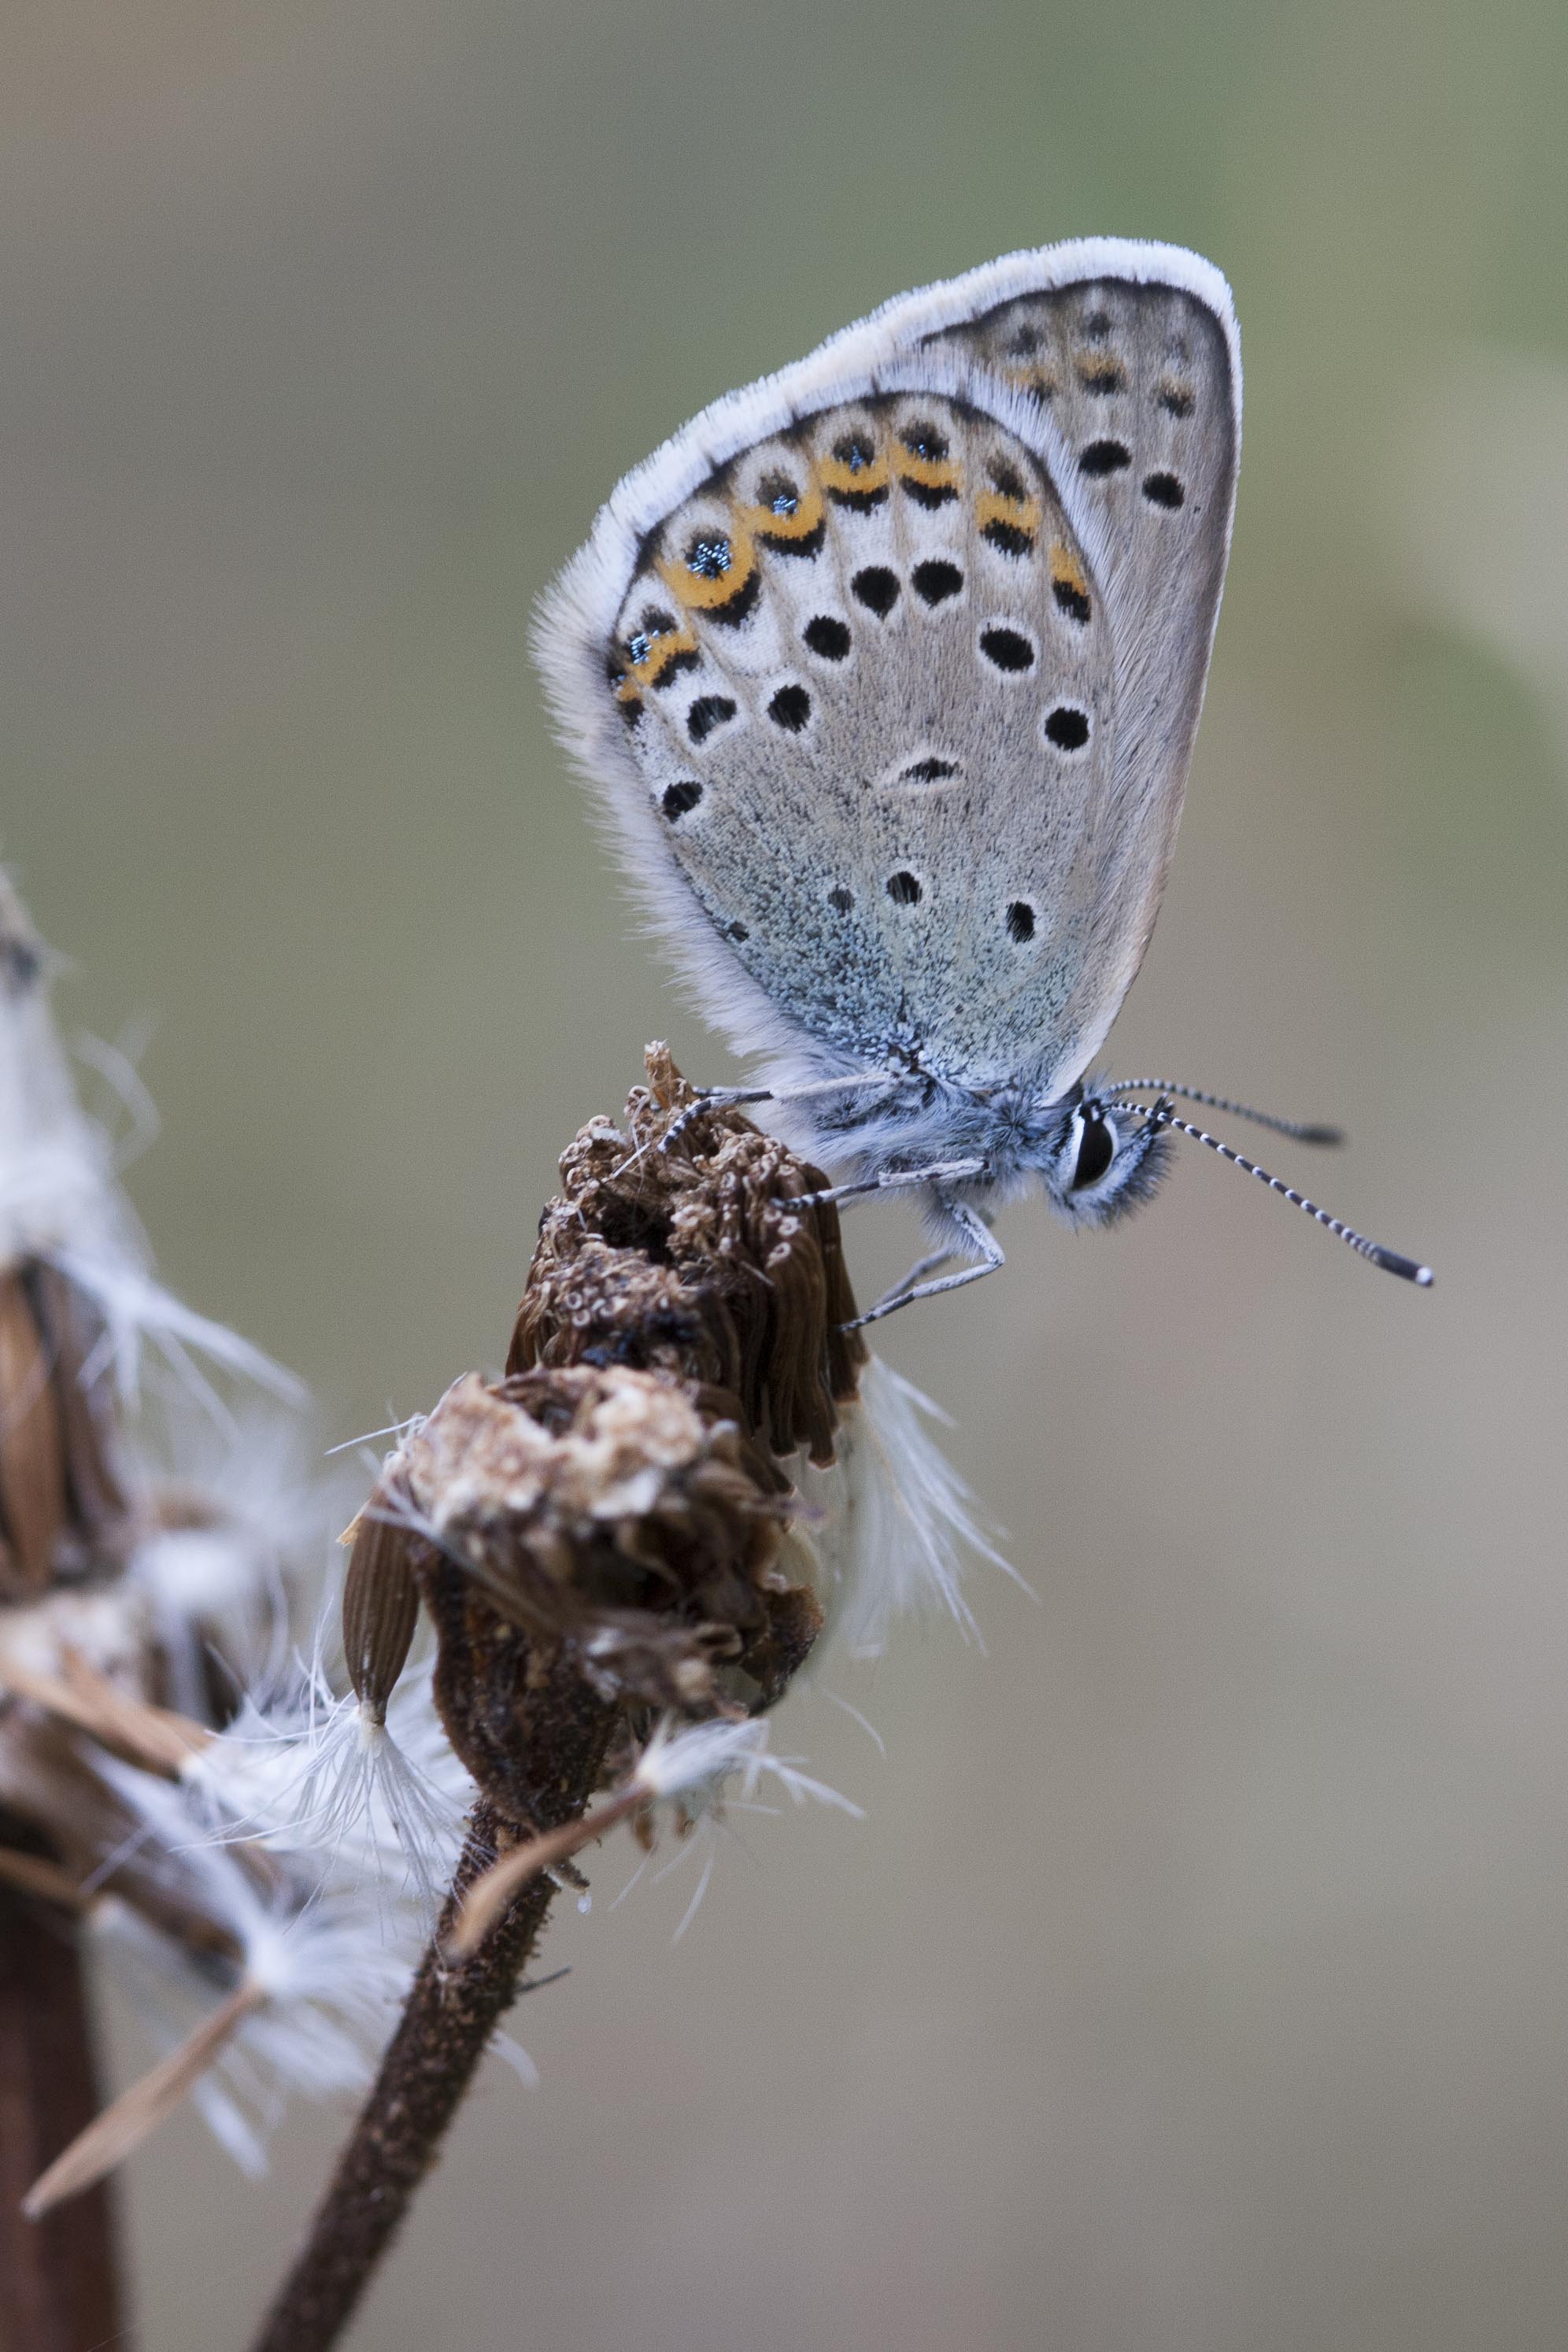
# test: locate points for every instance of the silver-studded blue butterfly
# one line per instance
(888, 668)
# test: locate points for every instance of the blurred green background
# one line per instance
(1200, 1979)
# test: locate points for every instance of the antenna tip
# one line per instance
(1421, 1276)
(1330, 1135)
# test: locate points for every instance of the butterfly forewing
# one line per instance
(868, 677)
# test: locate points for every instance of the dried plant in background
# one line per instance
(153, 1518)
(628, 1547)
(621, 1552)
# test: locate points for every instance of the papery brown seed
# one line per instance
(380, 1608)
(71, 1329)
(33, 1501)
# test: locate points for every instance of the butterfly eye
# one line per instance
(1096, 1151)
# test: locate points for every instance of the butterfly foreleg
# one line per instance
(989, 1255)
(707, 1098)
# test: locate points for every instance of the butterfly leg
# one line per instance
(707, 1098)
(945, 1172)
(917, 1273)
(989, 1253)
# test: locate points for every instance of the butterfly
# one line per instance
(887, 670)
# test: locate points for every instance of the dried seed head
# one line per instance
(620, 1512)
(693, 1251)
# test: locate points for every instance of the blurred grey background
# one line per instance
(1199, 1979)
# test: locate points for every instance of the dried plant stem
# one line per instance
(59, 2280)
(555, 1752)
(451, 2014)
(597, 1539)
(500, 1885)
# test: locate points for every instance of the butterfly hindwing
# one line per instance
(867, 682)
(890, 665)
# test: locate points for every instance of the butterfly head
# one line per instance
(1099, 1160)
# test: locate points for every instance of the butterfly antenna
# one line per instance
(1298, 1131)
(1160, 1115)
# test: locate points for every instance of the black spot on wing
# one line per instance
(1006, 649)
(827, 636)
(790, 708)
(1072, 600)
(935, 581)
(1066, 727)
(877, 588)
(709, 711)
(1163, 490)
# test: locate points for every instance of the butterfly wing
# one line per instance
(891, 680)
(1137, 383)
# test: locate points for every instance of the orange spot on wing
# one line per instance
(1066, 567)
(695, 591)
(766, 524)
(863, 481)
(666, 649)
(931, 473)
(1018, 514)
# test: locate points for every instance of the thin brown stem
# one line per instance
(59, 2278)
(446, 2028)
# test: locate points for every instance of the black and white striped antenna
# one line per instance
(1160, 1114)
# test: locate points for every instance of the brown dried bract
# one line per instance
(610, 1520)
(623, 1516)
(701, 1259)
(58, 1498)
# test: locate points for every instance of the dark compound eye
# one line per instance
(903, 890)
(827, 636)
(709, 556)
(679, 798)
(1065, 728)
(1096, 1151)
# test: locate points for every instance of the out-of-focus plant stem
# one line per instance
(60, 2289)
